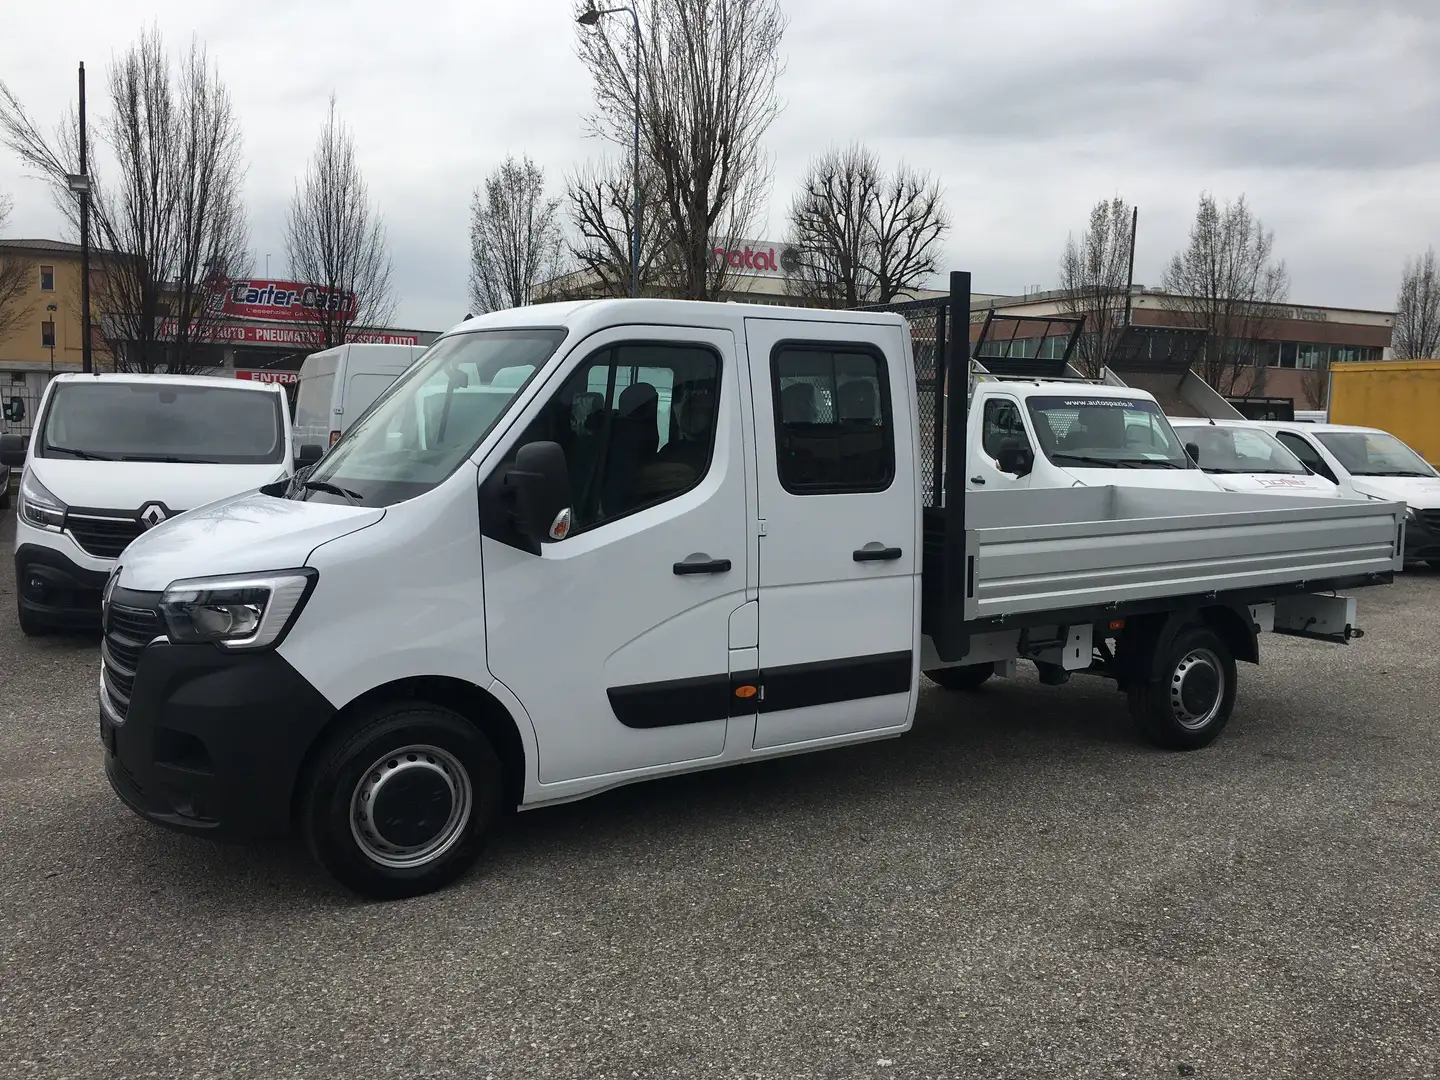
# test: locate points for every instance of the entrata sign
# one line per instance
(757, 258)
(258, 375)
(279, 301)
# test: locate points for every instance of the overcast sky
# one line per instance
(1324, 113)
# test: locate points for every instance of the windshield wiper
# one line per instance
(84, 454)
(333, 489)
(172, 460)
(1401, 473)
(1104, 463)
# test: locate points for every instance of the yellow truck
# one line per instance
(1398, 396)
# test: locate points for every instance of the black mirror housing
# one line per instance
(12, 450)
(1193, 450)
(308, 455)
(1015, 458)
(14, 410)
(537, 487)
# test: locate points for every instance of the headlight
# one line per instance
(38, 507)
(1411, 514)
(249, 612)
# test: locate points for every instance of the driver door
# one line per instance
(1000, 419)
(615, 640)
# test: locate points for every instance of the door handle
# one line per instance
(977, 480)
(700, 563)
(873, 552)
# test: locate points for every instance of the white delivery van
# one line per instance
(110, 456)
(1241, 455)
(580, 545)
(1368, 463)
(336, 386)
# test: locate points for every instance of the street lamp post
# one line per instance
(79, 184)
(590, 17)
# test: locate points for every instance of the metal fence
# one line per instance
(927, 319)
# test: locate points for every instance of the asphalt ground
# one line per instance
(1020, 888)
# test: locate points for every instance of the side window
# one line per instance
(833, 423)
(637, 423)
(1002, 421)
(1302, 449)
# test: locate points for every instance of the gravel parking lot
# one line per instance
(1018, 889)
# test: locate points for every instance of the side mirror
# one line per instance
(1014, 457)
(12, 450)
(538, 488)
(14, 410)
(1193, 449)
(309, 454)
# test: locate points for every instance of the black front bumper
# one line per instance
(212, 742)
(1422, 538)
(56, 592)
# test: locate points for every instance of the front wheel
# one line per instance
(402, 800)
(1190, 703)
(966, 677)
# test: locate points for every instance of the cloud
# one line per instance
(1323, 112)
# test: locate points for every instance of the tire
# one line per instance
(5, 497)
(439, 787)
(1190, 704)
(967, 677)
(1434, 564)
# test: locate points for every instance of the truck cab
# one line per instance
(1039, 434)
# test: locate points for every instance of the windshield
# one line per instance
(1106, 433)
(431, 418)
(1239, 450)
(1373, 453)
(163, 421)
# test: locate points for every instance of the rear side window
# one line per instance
(834, 427)
(1301, 448)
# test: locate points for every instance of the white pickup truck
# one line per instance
(669, 536)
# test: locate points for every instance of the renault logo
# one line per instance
(152, 515)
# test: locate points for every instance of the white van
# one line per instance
(1240, 455)
(339, 384)
(111, 456)
(1368, 463)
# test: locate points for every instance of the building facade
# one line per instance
(257, 330)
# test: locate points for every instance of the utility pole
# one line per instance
(87, 363)
(1130, 275)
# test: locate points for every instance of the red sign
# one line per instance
(280, 301)
(303, 337)
(256, 375)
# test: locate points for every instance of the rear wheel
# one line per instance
(1190, 703)
(966, 677)
(402, 800)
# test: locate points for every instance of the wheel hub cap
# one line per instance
(411, 806)
(1197, 689)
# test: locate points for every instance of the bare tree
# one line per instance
(335, 241)
(170, 227)
(1417, 310)
(1227, 282)
(1315, 383)
(707, 71)
(600, 205)
(861, 236)
(515, 240)
(1094, 277)
(14, 282)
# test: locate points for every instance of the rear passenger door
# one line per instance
(839, 550)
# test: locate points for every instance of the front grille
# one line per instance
(104, 537)
(127, 631)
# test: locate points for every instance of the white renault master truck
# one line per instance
(111, 456)
(581, 545)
